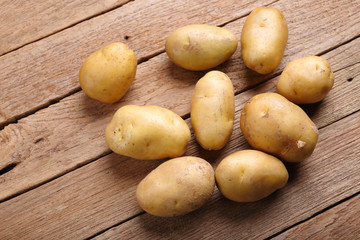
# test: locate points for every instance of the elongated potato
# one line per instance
(263, 39)
(108, 73)
(200, 47)
(250, 175)
(306, 80)
(273, 124)
(147, 132)
(176, 187)
(212, 110)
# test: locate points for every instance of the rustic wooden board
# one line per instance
(340, 222)
(22, 22)
(103, 191)
(47, 70)
(69, 134)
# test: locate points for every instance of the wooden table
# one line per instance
(58, 178)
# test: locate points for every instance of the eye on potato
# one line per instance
(200, 47)
(147, 133)
(306, 80)
(108, 73)
(213, 110)
(176, 187)
(250, 175)
(273, 124)
(263, 39)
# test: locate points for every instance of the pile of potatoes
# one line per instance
(272, 123)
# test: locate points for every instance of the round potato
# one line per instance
(306, 80)
(250, 175)
(263, 39)
(176, 187)
(200, 47)
(147, 132)
(108, 73)
(273, 124)
(213, 110)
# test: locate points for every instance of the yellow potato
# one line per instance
(108, 73)
(273, 124)
(176, 187)
(250, 175)
(263, 39)
(200, 47)
(212, 110)
(147, 132)
(306, 80)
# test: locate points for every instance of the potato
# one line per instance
(306, 80)
(147, 132)
(263, 39)
(108, 73)
(212, 110)
(200, 47)
(250, 175)
(176, 187)
(271, 123)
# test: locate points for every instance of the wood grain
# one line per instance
(47, 70)
(69, 134)
(22, 22)
(340, 222)
(101, 194)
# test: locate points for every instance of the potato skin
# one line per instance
(250, 175)
(176, 187)
(213, 110)
(263, 39)
(108, 73)
(147, 133)
(306, 80)
(200, 47)
(273, 124)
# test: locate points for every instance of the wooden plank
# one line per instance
(69, 134)
(47, 70)
(101, 194)
(327, 177)
(340, 222)
(27, 21)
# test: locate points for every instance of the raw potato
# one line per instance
(306, 80)
(200, 47)
(263, 39)
(147, 132)
(273, 124)
(108, 73)
(176, 187)
(213, 110)
(250, 175)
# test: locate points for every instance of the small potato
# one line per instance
(176, 187)
(250, 175)
(147, 132)
(108, 73)
(213, 110)
(263, 39)
(200, 47)
(306, 80)
(273, 124)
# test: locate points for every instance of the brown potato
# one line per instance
(176, 187)
(273, 124)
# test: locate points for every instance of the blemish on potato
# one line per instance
(300, 144)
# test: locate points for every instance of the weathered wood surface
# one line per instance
(340, 222)
(23, 22)
(65, 135)
(103, 191)
(44, 155)
(47, 70)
